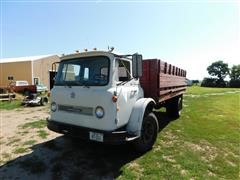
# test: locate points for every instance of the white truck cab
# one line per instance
(97, 96)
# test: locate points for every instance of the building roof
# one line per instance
(27, 58)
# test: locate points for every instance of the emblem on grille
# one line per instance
(72, 95)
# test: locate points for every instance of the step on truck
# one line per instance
(110, 98)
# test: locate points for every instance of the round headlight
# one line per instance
(99, 112)
(53, 106)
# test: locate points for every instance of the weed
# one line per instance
(20, 150)
(9, 105)
(35, 124)
(43, 134)
(30, 142)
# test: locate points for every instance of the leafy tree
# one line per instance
(209, 82)
(235, 72)
(195, 81)
(218, 69)
(235, 76)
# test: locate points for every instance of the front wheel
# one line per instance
(148, 133)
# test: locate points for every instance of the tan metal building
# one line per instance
(34, 69)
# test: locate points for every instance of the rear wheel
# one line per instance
(148, 133)
(174, 107)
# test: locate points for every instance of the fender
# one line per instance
(135, 121)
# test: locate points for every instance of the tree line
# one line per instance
(219, 71)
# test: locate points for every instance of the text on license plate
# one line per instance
(96, 136)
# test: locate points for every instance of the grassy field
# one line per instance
(203, 144)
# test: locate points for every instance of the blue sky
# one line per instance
(189, 34)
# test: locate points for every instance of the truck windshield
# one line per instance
(87, 71)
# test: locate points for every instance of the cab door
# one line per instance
(127, 90)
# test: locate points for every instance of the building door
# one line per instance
(52, 75)
(36, 80)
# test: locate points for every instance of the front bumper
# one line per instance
(109, 137)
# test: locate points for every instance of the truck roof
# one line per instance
(89, 53)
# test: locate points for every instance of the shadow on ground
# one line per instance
(68, 158)
(163, 120)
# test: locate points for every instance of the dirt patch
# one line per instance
(10, 120)
(169, 159)
(30, 151)
(16, 133)
(136, 168)
(208, 152)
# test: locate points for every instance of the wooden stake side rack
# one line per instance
(162, 81)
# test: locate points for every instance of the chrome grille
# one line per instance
(76, 109)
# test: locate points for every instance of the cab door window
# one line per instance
(124, 70)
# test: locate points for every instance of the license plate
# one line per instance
(96, 136)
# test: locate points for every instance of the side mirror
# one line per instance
(137, 65)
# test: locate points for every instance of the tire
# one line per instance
(174, 107)
(26, 92)
(149, 133)
(44, 101)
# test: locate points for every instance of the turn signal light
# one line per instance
(114, 98)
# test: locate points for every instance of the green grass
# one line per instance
(30, 142)
(196, 90)
(42, 134)
(20, 150)
(10, 105)
(35, 124)
(203, 144)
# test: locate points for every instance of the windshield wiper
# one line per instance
(121, 83)
(68, 84)
(85, 84)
